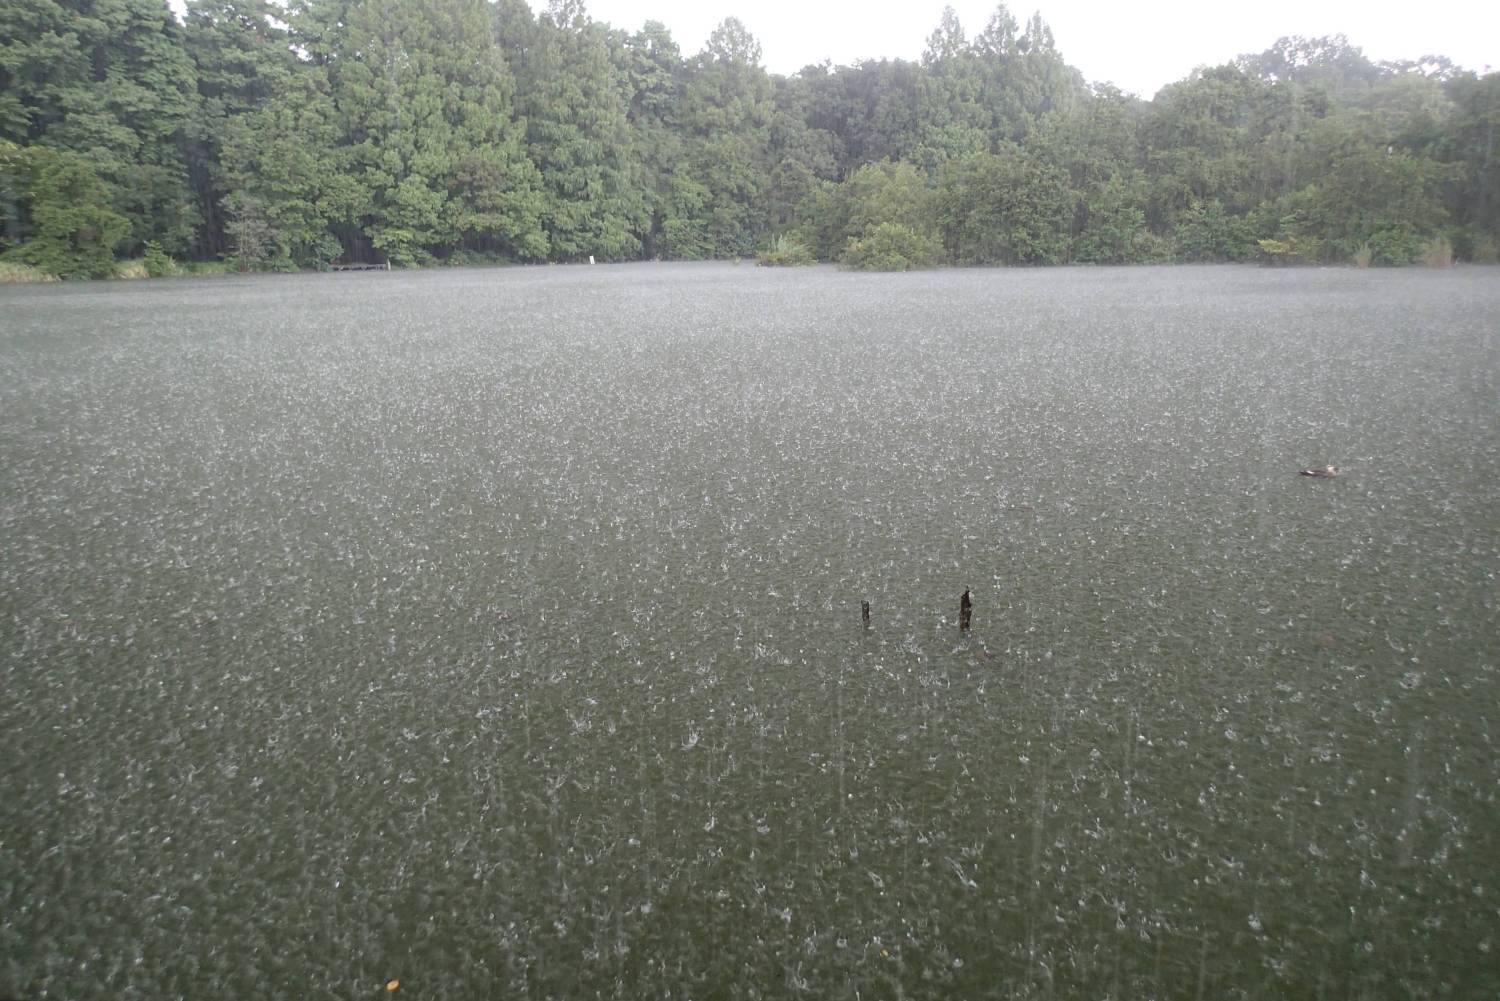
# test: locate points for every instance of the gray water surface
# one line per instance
(497, 631)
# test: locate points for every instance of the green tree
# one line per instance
(832, 217)
(892, 247)
(71, 231)
(242, 59)
(1330, 64)
(886, 192)
(955, 120)
(802, 154)
(725, 113)
(1043, 83)
(110, 81)
(653, 71)
(1197, 137)
(575, 102)
(1005, 208)
(424, 98)
(1205, 232)
(429, 130)
(1474, 146)
(291, 199)
(872, 111)
(1366, 193)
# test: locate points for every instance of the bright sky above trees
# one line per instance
(1137, 46)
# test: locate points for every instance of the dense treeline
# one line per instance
(422, 131)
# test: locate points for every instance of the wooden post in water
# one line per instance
(864, 613)
(965, 613)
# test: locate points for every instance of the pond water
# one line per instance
(498, 632)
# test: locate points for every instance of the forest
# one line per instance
(254, 135)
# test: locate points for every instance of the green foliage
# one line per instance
(1010, 208)
(430, 158)
(891, 246)
(886, 193)
(575, 101)
(1470, 134)
(289, 191)
(1205, 232)
(158, 263)
(1277, 251)
(830, 215)
(684, 232)
(1386, 196)
(1110, 227)
(1293, 250)
(242, 57)
(725, 115)
(652, 72)
(74, 231)
(430, 131)
(1199, 144)
(15, 176)
(253, 242)
(950, 92)
(474, 259)
(1437, 253)
(109, 81)
(1483, 249)
(1396, 247)
(15, 273)
(785, 251)
(204, 268)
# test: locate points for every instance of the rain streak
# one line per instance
(498, 633)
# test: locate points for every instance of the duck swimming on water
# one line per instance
(1325, 473)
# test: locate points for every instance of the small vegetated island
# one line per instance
(417, 132)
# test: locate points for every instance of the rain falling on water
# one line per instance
(497, 634)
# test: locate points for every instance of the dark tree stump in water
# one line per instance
(864, 613)
(965, 612)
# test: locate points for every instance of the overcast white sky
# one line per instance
(1138, 46)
